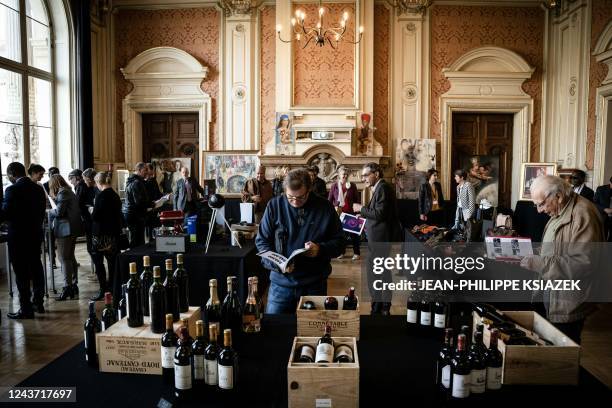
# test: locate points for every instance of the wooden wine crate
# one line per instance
(558, 364)
(136, 350)
(323, 384)
(344, 323)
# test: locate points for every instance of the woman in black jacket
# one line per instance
(431, 200)
(105, 228)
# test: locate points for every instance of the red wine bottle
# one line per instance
(169, 342)
(325, 347)
(331, 303)
(231, 309)
(425, 314)
(494, 361)
(213, 306)
(121, 310)
(412, 315)
(350, 300)
(478, 365)
(146, 280)
(258, 299)
(182, 367)
(440, 310)
(185, 324)
(182, 279)
(172, 292)
(460, 371)
(443, 369)
(197, 352)
(306, 354)
(228, 364)
(134, 299)
(157, 302)
(109, 317)
(211, 369)
(343, 354)
(251, 322)
(92, 326)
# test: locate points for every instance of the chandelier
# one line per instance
(239, 7)
(409, 6)
(318, 34)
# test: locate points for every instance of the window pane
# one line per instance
(11, 3)
(40, 102)
(10, 45)
(11, 146)
(36, 10)
(10, 93)
(39, 51)
(41, 146)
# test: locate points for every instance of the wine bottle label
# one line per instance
(343, 350)
(198, 367)
(461, 386)
(411, 316)
(478, 381)
(446, 375)
(325, 353)
(308, 352)
(440, 321)
(182, 376)
(494, 376)
(210, 374)
(167, 356)
(425, 318)
(226, 377)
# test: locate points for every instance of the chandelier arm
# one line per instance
(355, 42)
(281, 38)
(330, 43)
(307, 42)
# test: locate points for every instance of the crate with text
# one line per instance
(333, 384)
(312, 317)
(136, 350)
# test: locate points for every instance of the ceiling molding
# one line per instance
(161, 4)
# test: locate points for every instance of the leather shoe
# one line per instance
(20, 315)
(376, 306)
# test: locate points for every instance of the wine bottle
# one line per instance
(494, 362)
(425, 313)
(133, 299)
(478, 339)
(121, 310)
(168, 348)
(250, 313)
(412, 314)
(309, 305)
(460, 371)
(440, 312)
(306, 354)
(343, 354)
(157, 302)
(468, 335)
(185, 324)
(258, 299)
(213, 306)
(146, 280)
(92, 326)
(331, 303)
(197, 351)
(182, 280)
(108, 314)
(350, 300)
(182, 367)
(228, 364)
(211, 372)
(443, 369)
(172, 292)
(478, 365)
(325, 347)
(231, 310)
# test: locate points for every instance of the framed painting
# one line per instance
(413, 158)
(230, 170)
(284, 134)
(168, 171)
(483, 173)
(531, 171)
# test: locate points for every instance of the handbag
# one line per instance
(103, 243)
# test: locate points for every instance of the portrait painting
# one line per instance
(413, 158)
(284, 134)
(531, 171)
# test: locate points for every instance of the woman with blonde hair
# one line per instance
(67, 226)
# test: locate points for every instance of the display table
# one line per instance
(528, 222)
(220, 262)
(393, 365)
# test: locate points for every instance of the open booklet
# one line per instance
(352, 223)
(163, 200)
(508, 248)
(279, 260)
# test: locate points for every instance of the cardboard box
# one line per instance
(136, 350)
(344, 323)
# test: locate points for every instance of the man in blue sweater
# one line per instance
(299, 219)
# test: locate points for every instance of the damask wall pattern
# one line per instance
(458, 29)
(382, 44)
(267, 73)
(195, 31)
(597, 73)
(323, 76)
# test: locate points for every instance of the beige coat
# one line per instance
(570, 256)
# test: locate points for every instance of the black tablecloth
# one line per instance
(220, 262)
(393, 364)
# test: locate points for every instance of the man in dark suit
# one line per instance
(24, 209)
(186, 195)
(382, 228)
(318, 184)
(603, 201)
(577, 178)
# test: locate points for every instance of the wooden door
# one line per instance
(167, 135)
(489, 136)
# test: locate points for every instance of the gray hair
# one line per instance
(374, 167)
(297, 179)
(139, 166)
(89, 173)
(550, 185)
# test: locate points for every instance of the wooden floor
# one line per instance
(26, 346)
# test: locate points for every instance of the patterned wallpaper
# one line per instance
(324, 76)
(195, 31)
(267, 73)
(382, 21)
(598, 71)
(456, 30)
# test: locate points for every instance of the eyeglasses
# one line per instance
(296, 198)
(541, 203)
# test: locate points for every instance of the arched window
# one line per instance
(28, 83)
